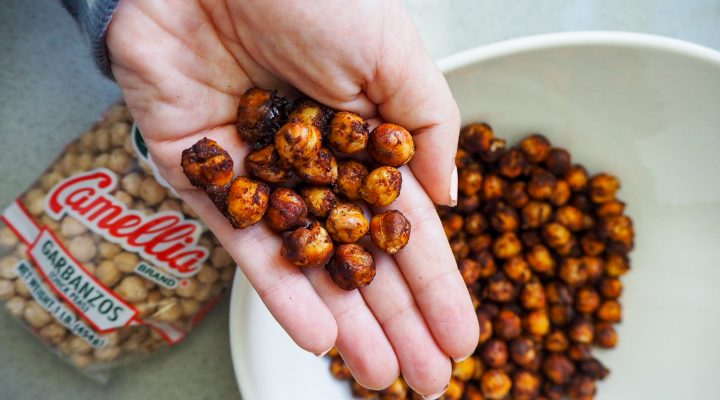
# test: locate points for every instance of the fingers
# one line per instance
(430, 270)
(425, 367)
(360, 338)
(411, 91)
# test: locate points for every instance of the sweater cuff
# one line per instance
(93, 18)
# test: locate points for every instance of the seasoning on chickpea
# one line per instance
(265, 164)
(308, 247)
(603, 188)
(346, 223)
(351, 267)
(391, 145)
(260, 114)
(470, 180)
(508, 325)
(207, 164)
(475, 138)
(496, 384)
(297, 142)
(390, 231)
(247, 202)
(381, 186)
(286, 210)
(319, 200)
(348, 133)
(321, 170)
(351, 175)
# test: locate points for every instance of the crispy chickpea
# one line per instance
(610, 288)
(486, 327)
(297, 142)
(558, 161)
(530, 238)
(339, 369)
(561, 194)
(351, 267)
(350, 178)
(452, 224)
(361, 392)
(526, 385)
(475, 223)
(556, 342)
(494, 353)
(348, 133)
(468, 204)
(507, 245)
(516, 195)
(540, 259)
(592, 245)
(517, 269)
(265, 164)
(616, 265)
(504, 218)
(536, 148)
(553, 391)
(486, 263)
(587, 300)
(381, 186)
(593, 368)
(561, 314)
(581, 202)
(207, 164)
(495, 151)
(609, 311)
(470, 270)
(569, 217)
(541, 185)
(454, 390)
(247, 201)
(398, 390)
(577, 177)
(390, 231)
(346, 223)
(535, 214)
(619, 231)
(508, 325)
(605, 335)
(321, 170)
(473, 392)
(475, 138)
(558, 293)
(537, 322)
(610, 208)
(319, 200)
(532, 295)
(556, 235)
(579, 352)
(463, 158)
(572, 271)
(466, 369)
(558, 368)
(458, 246)
(494, 187)
(581, 387)
(512, 164)
(603, 188)
(286, 210)
(524, 353)
(308, 247)
(259, 115)
(480, 243)
(470, 180)
(391, 144)
(310, 113)
(500, 289)
(495, 384)
(581, 330)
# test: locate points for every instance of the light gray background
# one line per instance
(50, 92)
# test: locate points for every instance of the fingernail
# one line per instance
(454, 187)
(435, 396)
(457, 360)
(323, 353)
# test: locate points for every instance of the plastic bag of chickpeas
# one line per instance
(100, 260)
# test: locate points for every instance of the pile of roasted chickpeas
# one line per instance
(541, 245)
(307, 174)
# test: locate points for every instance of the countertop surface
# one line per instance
(50, 92)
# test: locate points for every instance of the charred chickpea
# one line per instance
(350, 178)
(500, 289)
(390, 231)
(391, 145)
(310, 113)
(381, 186)
(609, 311)
(206, 164)
(524, 353)
(475, 223)
(247, 201)
(537, 322)
(525, 385)
(616, 265)
(540, 259)
(508, 325)
(541, 185)
(475, 138)
(610, 208)
(561, 314)
(556, 342)
(581, 330)
(470, 180)
(517, 269)
(504, 218)
(605, 335)
(535, 214)
(593, 368)
(319, 200)
(512, 164)
(603, 188)
(494, 353)
(610, 288)
(495, 384)
(530, 238)
(320, 170)
(486, 327)
(346, 223)
(558, 161)
(452, 224)
(618, 230)
(259, 115)
(494, 187)
(579, 352)
(495, 151)
(572, 271)
(569, 217)
(297, 142)
(516, 195)
(581, 387)
(265, 164)
(468, 204)
(348, 133)
(286, 211)
(561, 193)
(470, 270)
(536, 148)
(581, 202)
(577, 177)
(507, 245)
(532, 296)
(558, 368)
(308, 247)
(351, 267)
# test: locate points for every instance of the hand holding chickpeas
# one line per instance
(182, 93)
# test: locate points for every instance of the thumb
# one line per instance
(410, 91)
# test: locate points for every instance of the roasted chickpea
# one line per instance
(610, 288)
(390, 231)
(610, 208)
(310, 113)
(605, 335)
(486, 327)
(603, 188)
(296, 142)
(500, 289)
(381, 186)
(467, 369)
(470, 180)
(619, 231)
(206, 164)
(536, 148)
(452, 224)
(459, 247)
(572, 271)
(512, 164)
(540, 259)
(348, 133)
(535, 214)
(524, 353)
(579, 352)
(475, 138)
(556, 235)
(561, 314)
(391, 144)
(346, 223)
(558, 293)
(561, 194)
(577, 178)
(610, 311)
(537, 322)
(508, 325)
(339, 369)
(494, 187)
(468, 204)
(504, 218)
(530, 238)
(517, 269)
(286, 211)
(247, 201)
(319, 200)
(470, 270)
(351, 267)
(558, 368)
(553, 391)
(265, 164)
(480, 243)
(463, 159)
(569, 217)
(587, 300)
(454, 390)
(507, 245)
(541, 185)
(398, 390)
(475, 223)
(361, 392)
(581, 330)
(616, 265)
(516, 195)
(350, 178)
(321, 170)
(259, 115)
(308, 247)
(593, 368)
(495, 151)
(581, 387)
(532, 295)
(526, 385)
(494, 353)
(556, 342)
(581, 202)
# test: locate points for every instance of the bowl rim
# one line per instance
(241, 285)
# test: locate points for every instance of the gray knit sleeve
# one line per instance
(93, 18)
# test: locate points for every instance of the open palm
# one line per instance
(182, 67)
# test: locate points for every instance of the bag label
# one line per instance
(47, 300)
(96, 303)
(153, 274)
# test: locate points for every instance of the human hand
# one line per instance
(182, 67)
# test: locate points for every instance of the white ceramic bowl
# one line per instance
(642, 107)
